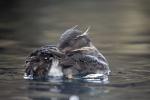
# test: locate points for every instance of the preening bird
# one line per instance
(82, 57)
(74, 55)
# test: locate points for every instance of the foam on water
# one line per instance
(95, 78)
(28, 77)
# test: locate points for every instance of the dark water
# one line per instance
(120, 29)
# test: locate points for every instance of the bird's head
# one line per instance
(73, 39)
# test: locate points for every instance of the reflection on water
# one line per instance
(119, 28)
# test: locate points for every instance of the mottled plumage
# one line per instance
(79, 63)
(38, 63)
(82, 57)
(74, 55)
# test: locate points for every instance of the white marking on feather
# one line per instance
(84, 49)
(55, 70)
(86, 32)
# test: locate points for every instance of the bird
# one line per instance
(73, 56)
(82, 57)
(43, 62)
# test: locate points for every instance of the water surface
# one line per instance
(119, 29)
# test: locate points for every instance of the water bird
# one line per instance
(82, 57)
(73, 56)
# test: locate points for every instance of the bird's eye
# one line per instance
(27, 61)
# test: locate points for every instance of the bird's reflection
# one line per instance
(63, 90)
